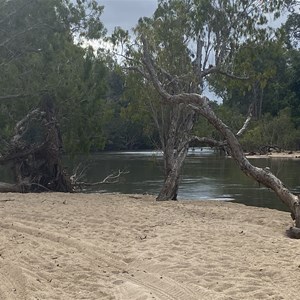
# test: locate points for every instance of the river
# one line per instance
(206, 175)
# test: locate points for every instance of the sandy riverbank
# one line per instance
(75, 246)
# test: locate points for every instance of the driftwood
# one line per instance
(78, 184)
(10, 188)
(269, 148)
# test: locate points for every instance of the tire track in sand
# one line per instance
(13, 282)
(167, 288)
(164, 288)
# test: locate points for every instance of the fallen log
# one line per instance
(10, 188)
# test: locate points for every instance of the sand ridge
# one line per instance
(129, 247)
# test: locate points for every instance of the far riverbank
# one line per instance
(284, 154)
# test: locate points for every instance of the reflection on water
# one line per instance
(206, 175)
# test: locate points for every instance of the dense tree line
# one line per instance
(103, 106)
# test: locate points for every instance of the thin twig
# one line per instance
(111, 178)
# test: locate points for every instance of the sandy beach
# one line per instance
(104, 246)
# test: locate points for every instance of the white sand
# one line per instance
(75, 246)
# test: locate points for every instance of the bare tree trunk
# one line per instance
(169, 190)
(175, 136)
(10, 188)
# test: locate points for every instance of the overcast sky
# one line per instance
(125, 13)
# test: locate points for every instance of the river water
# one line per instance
(206, 175)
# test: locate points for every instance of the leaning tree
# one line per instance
(177, 51)
(182, 47)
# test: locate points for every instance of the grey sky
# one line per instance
(125, 13)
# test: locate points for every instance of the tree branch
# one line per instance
(28, 117)
(214, 70)
(111, 178)
(263, 176)
(139, 70)
(246, 123)
(208, 141)
(151, 70)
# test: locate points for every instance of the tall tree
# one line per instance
(272, 90)
(39, 50)
(181, 46)
(153, 70)
(128, 124)
(292, 28)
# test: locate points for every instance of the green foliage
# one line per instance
(83, 110)
(231, 117)
(292, 29)
(293, 88)
(129, 125)
(266, 65)
(101, 106)
(194, 41)
(273, 84)
(279, 131)
(38, 52)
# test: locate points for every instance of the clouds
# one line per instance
(125, 13)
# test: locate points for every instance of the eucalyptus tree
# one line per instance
(182, 46)
(267, 86)
(292, 28)
(237, 20)
(178, 48)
